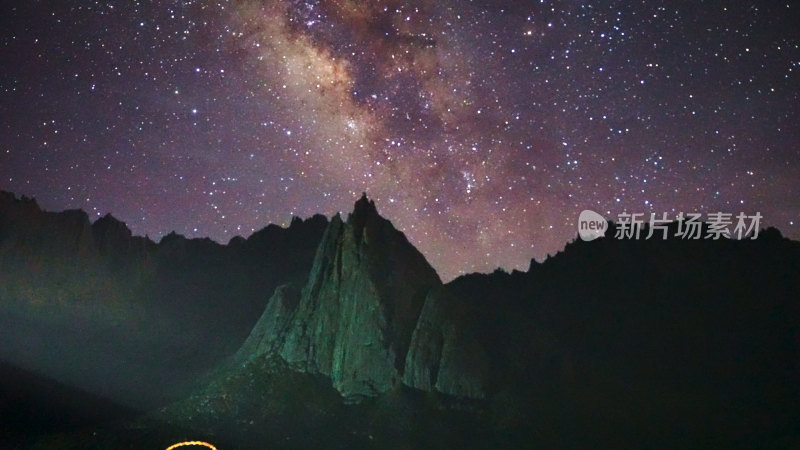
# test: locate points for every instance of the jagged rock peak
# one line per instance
(109, 224)
(364, 214)
(364, 206)
(111, 235)
(172, 236)
(11, 199)
(359, 308)
(315, 224)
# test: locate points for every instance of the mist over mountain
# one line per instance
(339, 334)
(130, 319)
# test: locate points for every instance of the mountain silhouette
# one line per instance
(616, 342)
(354, 342)
(92, 306)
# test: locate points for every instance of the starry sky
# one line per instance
(480, 128)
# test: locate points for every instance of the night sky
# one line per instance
(481, 128)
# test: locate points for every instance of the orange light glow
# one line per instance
(187, 443)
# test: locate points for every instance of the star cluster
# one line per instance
(480, 128)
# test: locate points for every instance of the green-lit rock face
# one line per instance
(266, 335)
(446, 354)
(358, 310)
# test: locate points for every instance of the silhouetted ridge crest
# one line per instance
(94, 289)
(364, 215)
(110, 233)
(666, 336)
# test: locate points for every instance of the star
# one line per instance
(480, 129)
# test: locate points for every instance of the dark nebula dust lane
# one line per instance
(481, 128)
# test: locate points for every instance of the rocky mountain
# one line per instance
(122, 316)
(675, 343)
(354, 318)
(656, 343)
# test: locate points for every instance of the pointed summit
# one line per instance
(364, 214)
(364, 205)
(355, 316)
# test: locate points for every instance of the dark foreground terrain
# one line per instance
(609, 344)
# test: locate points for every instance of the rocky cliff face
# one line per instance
(373, 314)
(358, 310)
(446, 352)
(267, 335)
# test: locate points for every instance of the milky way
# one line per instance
(481, 129)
